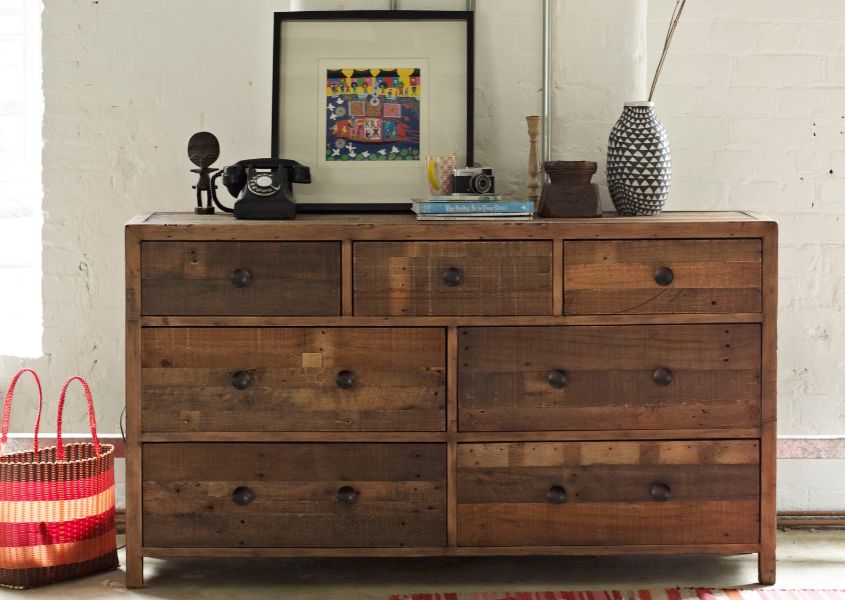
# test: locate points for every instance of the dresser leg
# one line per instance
(766, 567)
(134, 570)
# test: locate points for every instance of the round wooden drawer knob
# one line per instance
(242, 496)
(556, 495)
(241, 380)
(558, 379)
(453, 277)
(661, 492)
(345, 380)
(664, 276)
(347, 495)
(663, 376)
(241, 278)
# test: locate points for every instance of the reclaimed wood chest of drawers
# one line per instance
(376, 386)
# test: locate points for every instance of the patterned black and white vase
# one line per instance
(639, 162)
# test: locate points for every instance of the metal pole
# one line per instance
(470, 5)
(546, 147)
(394, 4)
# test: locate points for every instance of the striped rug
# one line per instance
(673, 594)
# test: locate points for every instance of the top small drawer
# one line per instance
(662, 276)
(240, 278)
(453, 278)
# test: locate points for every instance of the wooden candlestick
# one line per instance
(533, 164)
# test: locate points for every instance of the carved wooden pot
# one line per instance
(569, 192)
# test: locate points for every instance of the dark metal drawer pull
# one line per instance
(558, 378)
(345, 380)
(664, 276)
(556, 495)
(241, 278)
(661, 492)
(347, 495)
(453, 277)
(241, 380)
(242, 495)
(663, 376)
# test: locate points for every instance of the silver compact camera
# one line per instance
(473, 180)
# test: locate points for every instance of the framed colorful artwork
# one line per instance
(362, 97)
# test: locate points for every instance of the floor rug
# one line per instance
(673, 594)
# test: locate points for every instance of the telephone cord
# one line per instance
(212, 192)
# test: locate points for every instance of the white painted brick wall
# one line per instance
(126, 83)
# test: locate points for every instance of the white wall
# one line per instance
(21, 109)
(127, 82)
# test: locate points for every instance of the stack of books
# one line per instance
(482, 207)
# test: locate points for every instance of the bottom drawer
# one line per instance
(608, 493)
(294, 495)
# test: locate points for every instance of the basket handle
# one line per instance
(7, 410)
(92, 421)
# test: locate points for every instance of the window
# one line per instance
(21, 111)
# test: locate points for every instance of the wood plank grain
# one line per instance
(346, 277)
(499, 278)
(434, 321)
(194, 278)
(557, 279)
(574, 454)
(504, 377)
(714, 493)
(399, 379)
(586, 550)
(452, 493)
(618, 277)
(132, 356)
(767, 563)
(609, 483)
(443, 436)
(670, 225)
(698, 522)
(189, 491)
(452, 379)
(189, 219)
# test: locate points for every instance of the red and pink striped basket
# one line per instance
(56, 504)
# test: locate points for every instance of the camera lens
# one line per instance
(481, 183)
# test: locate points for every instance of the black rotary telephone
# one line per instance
(263, 187)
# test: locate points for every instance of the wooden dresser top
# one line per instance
(187, 226)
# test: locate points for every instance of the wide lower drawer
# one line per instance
(240, 278)
(662, 276)
(294, 495)
(453, 278)
(293, 379)
(614, 493)
(609, 377)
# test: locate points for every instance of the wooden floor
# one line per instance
(805, 560)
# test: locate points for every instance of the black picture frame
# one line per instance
(467, 17)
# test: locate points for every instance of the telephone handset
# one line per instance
(263, 187)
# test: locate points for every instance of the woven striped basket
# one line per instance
(56, 504)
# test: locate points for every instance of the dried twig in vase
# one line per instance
(673, 24)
